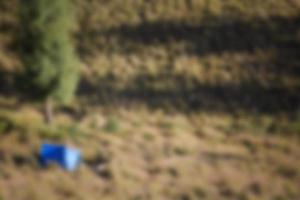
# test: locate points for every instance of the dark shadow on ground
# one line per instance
(6, 83)
(249, 97)
(210, 38)
(214, 38)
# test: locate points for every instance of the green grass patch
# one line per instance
(112, 125)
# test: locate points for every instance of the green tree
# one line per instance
(51, 70)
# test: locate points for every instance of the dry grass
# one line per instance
(184, 100)
(152, 155)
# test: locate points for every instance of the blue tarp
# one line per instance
(66, 157)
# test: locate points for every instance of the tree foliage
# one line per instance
(51, 69)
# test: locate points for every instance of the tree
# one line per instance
(51, 71)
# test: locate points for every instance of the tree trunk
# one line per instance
(49, 111)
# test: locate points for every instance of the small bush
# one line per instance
(51, 133)
(8, 123)
(148, 136)
(73, 131)
(288, 171)
(3, 127)
(180, 151)
(112, 125)
(200, 192)
(166, 125)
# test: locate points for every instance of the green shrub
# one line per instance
(3, 127)
(112, 125)
(47, 51)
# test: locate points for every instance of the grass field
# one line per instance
(184, 100)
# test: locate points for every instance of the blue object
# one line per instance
(67, 157)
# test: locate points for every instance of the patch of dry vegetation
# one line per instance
(184, 100)
(152, 156)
